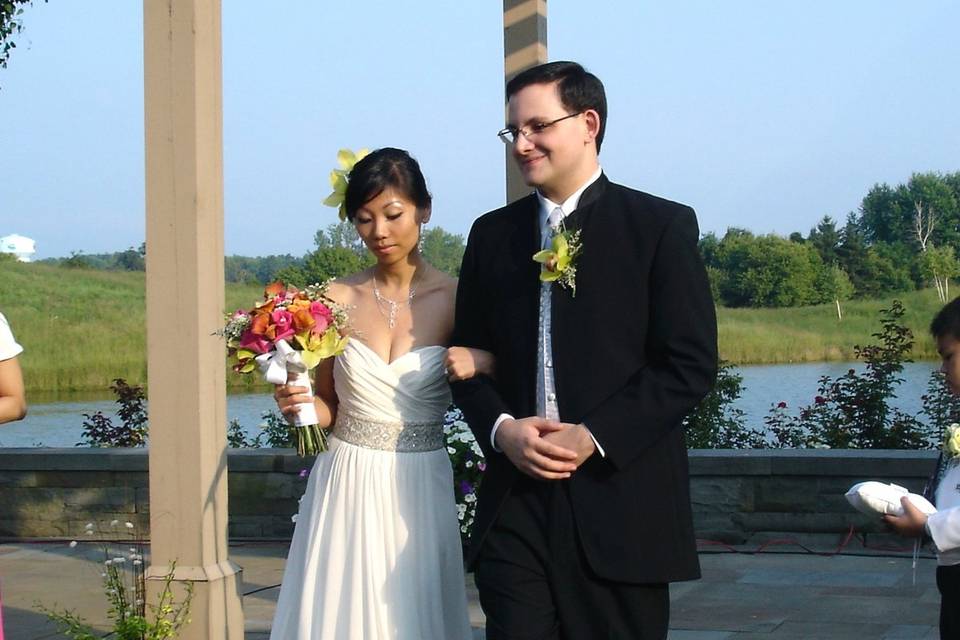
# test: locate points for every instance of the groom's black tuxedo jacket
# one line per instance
(633, 352)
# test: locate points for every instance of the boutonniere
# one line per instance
(559, 262)
(951, 442)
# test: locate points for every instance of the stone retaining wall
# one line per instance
(738, 496)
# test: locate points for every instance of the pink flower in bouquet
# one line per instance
(254, 342)
(283, 324)
(322, 315)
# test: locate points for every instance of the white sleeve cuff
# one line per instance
(603, 454)
(944, 528)
(496, 425)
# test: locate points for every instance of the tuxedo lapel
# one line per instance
(590, 196)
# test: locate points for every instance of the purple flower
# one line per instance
(304, 473)
(465, 487)
(482, 466)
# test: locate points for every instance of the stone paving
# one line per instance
(774, 595)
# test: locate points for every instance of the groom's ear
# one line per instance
(592, 119)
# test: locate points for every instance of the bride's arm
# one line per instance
(324, 396)
(463, 363)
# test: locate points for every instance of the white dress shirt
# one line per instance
(944, 525)
(546, 390)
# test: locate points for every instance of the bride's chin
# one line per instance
(390, 258)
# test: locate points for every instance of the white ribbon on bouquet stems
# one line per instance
(276, 367)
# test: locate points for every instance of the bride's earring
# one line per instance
(420, 239)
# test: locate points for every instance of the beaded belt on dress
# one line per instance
(388, 435)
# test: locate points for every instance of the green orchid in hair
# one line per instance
(339, 178)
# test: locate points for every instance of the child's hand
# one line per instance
(911, 523)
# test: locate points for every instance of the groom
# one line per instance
(584, 511)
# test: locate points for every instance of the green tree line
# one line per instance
(902, 238)
(337, 252)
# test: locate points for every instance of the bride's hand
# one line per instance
(288, 396)
(462, 363)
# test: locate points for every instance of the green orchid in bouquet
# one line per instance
(124, 582)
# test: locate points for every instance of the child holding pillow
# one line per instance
(943, 527)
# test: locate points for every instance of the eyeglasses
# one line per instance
(510, 135)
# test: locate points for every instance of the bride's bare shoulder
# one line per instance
(447, 284)
(439, 280)
(346, 289)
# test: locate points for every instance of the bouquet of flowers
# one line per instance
(291, 331)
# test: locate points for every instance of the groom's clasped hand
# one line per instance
(543, 448)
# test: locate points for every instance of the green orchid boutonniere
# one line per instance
(339, 177)
(558, 263)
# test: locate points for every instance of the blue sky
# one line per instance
(763, 115)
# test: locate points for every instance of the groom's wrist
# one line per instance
(603, 454)
(493, 432)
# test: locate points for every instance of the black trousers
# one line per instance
(948, 582)
(535, 584)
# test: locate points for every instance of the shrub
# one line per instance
(100, 431)
(853, 411)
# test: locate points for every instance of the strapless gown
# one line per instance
(376, 549)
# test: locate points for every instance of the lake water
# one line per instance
(59, 424)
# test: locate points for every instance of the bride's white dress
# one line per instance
(376, 549)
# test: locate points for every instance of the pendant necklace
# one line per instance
(392, 307)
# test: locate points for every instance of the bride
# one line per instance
(376, 549)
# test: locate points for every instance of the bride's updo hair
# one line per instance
(386, 168)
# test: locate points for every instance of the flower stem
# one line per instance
(311, 440)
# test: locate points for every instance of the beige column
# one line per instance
(185, 297)
(524, 46)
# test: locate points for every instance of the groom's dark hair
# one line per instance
(386, 168)
(578, 88)
(947, 321)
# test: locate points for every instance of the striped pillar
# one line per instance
(524, 46)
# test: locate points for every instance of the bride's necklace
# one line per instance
(390, 308)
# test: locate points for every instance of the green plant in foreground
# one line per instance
(124, 583)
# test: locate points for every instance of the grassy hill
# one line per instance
(82, 328)
(814, 334)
